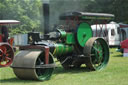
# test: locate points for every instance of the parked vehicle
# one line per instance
(6, 50)
(113, 32)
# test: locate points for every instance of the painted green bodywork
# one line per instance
(61, 49)
(67, 46)
(70, 38)
(62, 33)
(84, 32)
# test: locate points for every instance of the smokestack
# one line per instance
(46, 15)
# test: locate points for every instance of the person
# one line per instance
(4, 31)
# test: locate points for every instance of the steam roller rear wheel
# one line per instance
(97, 52)
(6, 54)
(26, 65)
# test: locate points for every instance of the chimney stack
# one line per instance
(46, 12)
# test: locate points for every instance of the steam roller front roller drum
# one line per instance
(6, 55)
(97, 52)
(25, 65)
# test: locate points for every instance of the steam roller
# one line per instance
(72, 49)
(72, 46)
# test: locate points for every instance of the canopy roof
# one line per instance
(9, 22)
(86, 15)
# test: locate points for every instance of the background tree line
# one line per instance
(29, 12)
(26, 11)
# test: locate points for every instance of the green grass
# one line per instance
(116, 73)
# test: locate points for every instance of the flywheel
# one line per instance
(84, 32)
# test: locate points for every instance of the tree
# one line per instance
(26, 11)
(120, 10)
(116, 7)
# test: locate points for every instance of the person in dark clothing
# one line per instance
(4, 31)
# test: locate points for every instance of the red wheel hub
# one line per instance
(6, 54)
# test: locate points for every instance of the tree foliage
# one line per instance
(26, 11)
(116, 7)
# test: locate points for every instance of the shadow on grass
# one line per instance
(118, 55)
(61, 70)
(16, 80)
(58, 70)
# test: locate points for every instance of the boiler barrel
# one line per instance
(61, 49)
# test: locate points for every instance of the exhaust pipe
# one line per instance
(46, 16)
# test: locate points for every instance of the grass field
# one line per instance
(116, 73)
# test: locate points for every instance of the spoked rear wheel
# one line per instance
(97, 52)
(6, 54)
